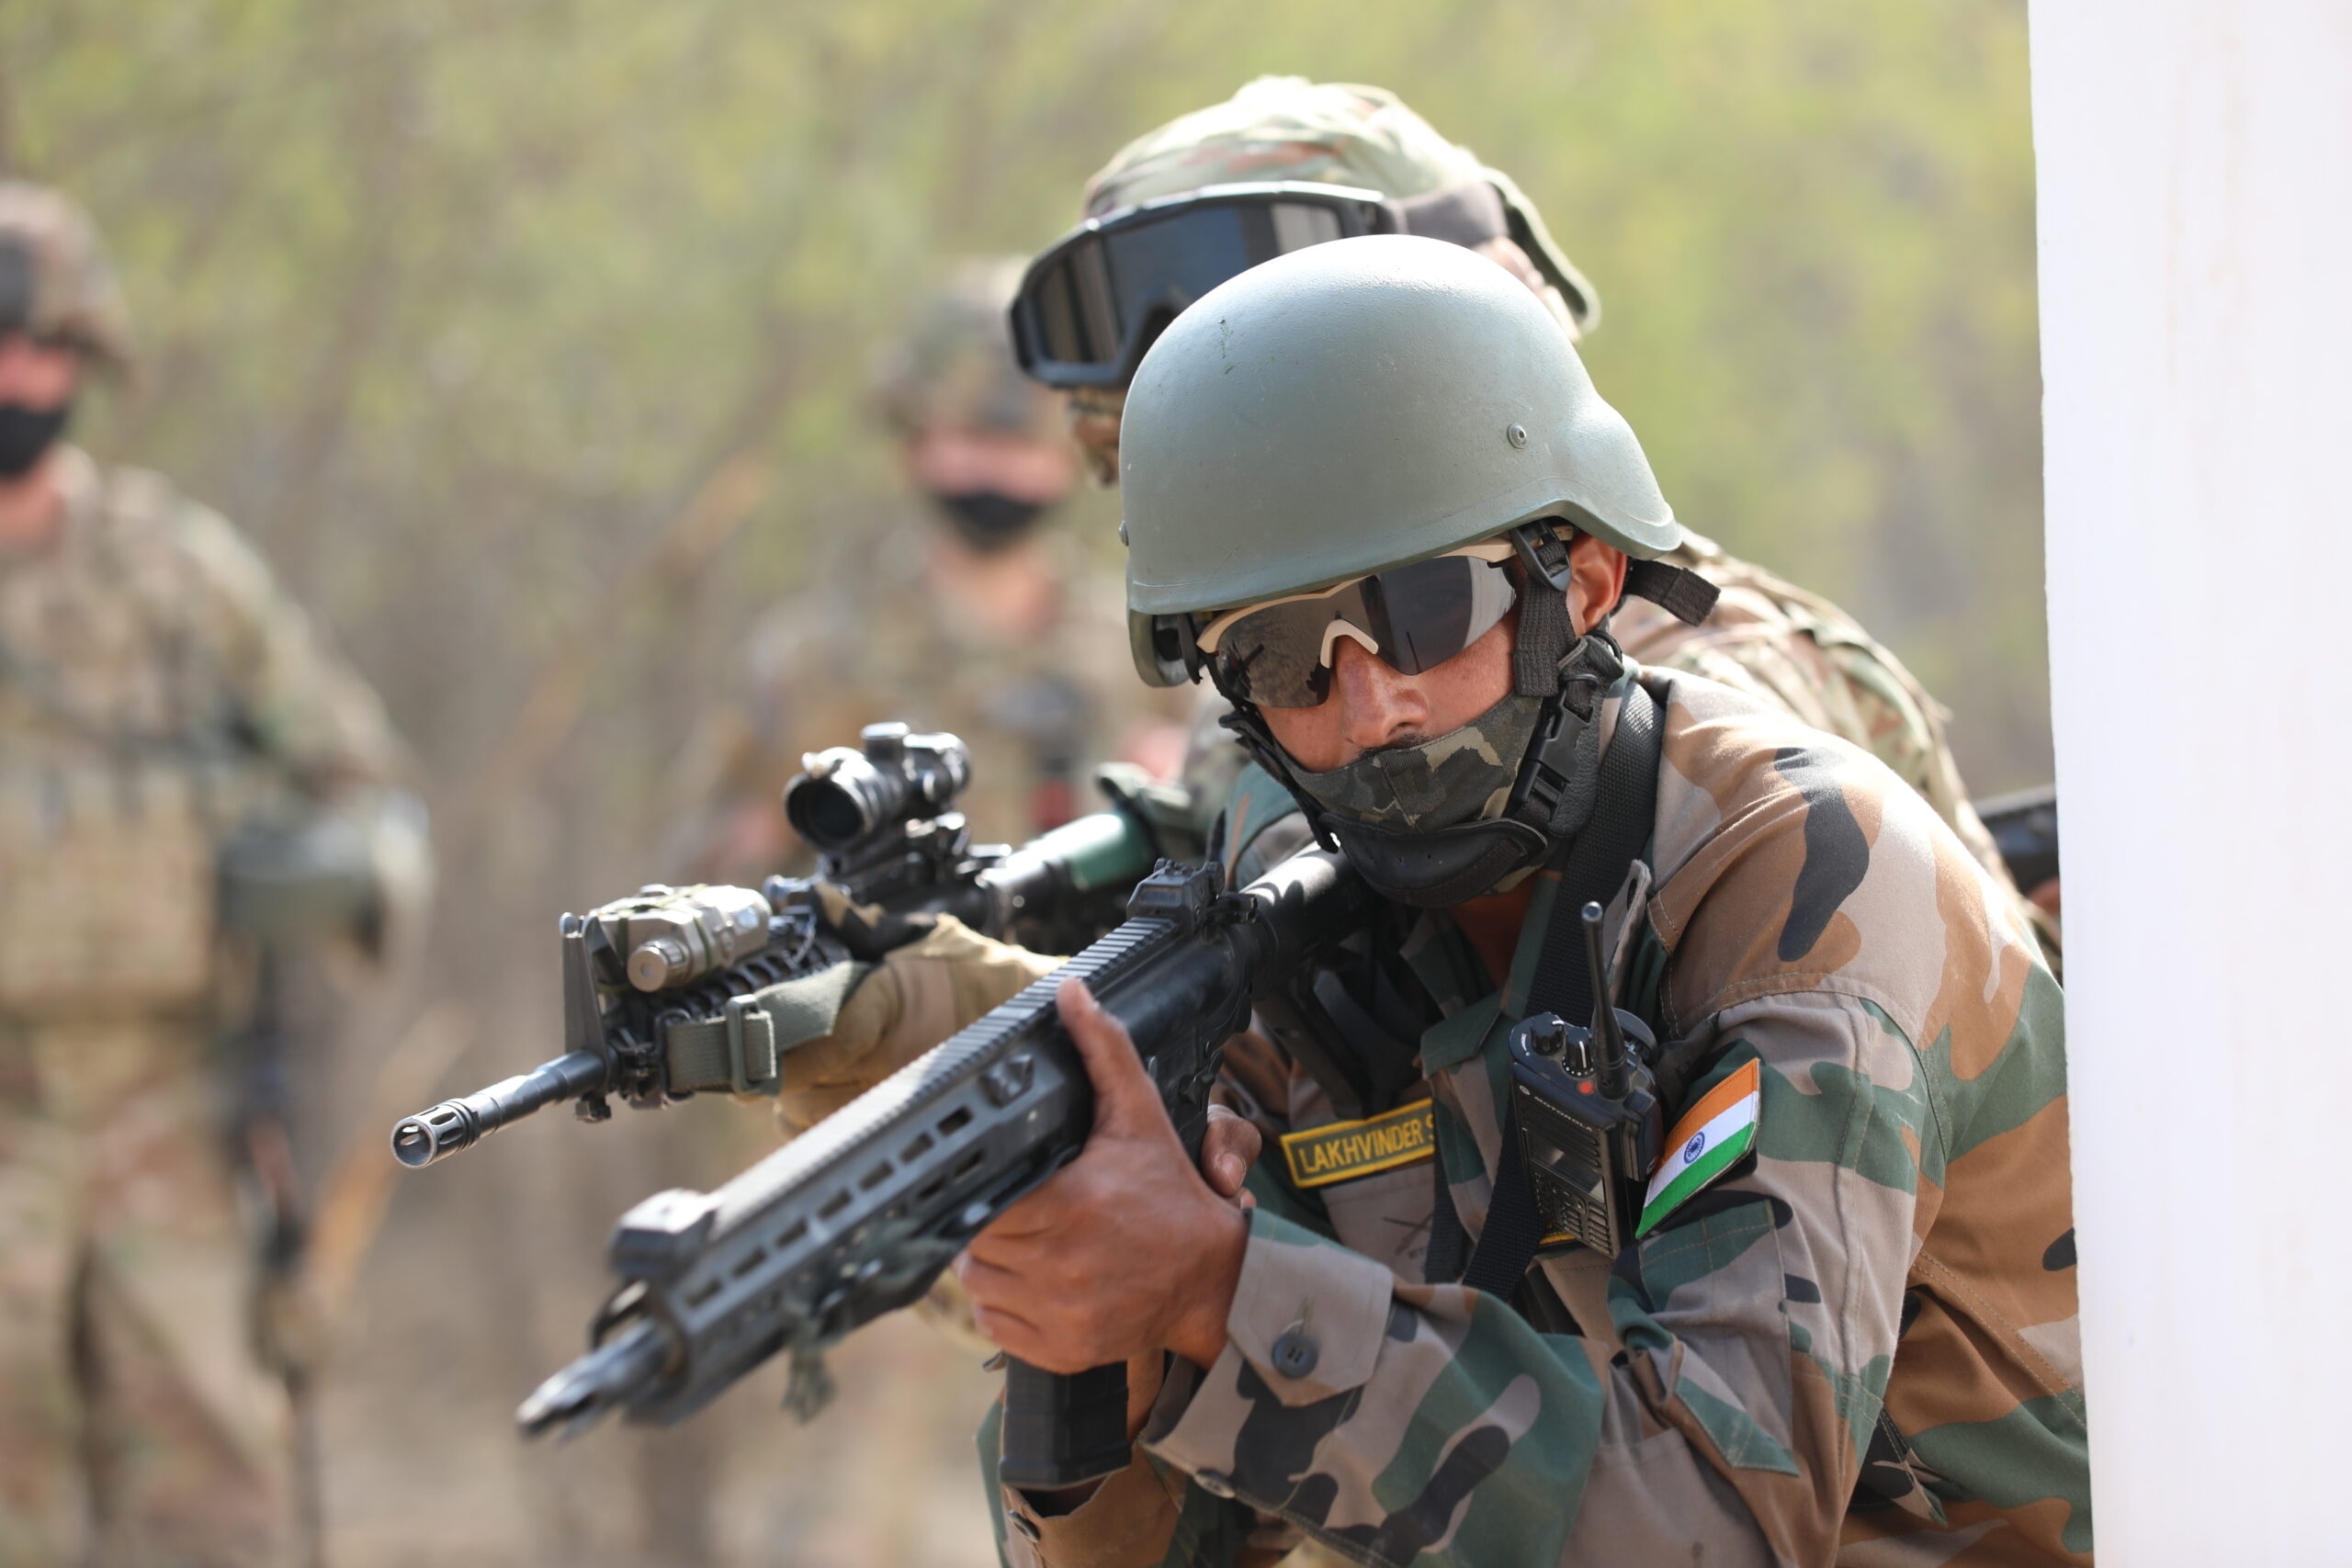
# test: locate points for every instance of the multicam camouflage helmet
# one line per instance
(956, 369)
(55, 281)
(1286, 128)
(1351, 407)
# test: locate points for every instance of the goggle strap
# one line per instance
(1470, 214)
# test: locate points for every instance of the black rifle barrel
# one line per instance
(455, 1124)
(2025, 828)
(1067, 884)
(577, 1395)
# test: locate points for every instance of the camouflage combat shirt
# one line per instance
(1859, 1348)
(156, 690)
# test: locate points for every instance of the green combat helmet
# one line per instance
(55, 281)
(1354, 407)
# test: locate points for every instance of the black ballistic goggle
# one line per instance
(1093, 302)
(1413, 617)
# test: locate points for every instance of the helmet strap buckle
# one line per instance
(1558, 782)
(1543, 553)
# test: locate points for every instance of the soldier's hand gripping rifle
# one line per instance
(661, 989)
(857, 1216)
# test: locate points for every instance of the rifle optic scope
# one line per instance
(848, 796)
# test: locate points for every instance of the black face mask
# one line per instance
(988, 520)
(27, 435)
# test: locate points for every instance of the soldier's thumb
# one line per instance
(1124, 1099)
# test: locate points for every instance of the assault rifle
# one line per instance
(2025, 828)
(659, 989)
(857, 1216)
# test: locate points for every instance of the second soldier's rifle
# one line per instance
(2025, 828)
(659, 989)
(857, 1216)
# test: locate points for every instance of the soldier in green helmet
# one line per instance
(1286, 162)
(188, 777)
(1373, 496)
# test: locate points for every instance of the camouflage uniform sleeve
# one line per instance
(1402, 1423)
(308, 712)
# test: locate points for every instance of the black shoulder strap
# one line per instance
(1620, 827)
(1595, 869)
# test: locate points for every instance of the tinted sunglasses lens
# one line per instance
(1091, 306)
(1432, 610)
(1069, 307)
(1169, 261)
(1421, 615)
(1274, 657)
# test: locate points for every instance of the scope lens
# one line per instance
(825, 814)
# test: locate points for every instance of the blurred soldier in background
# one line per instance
(1164, 226)
(974, 619)
(189, 778)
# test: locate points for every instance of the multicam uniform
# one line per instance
(156, 691)
(1861, 1348)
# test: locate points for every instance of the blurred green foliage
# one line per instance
(453, 303)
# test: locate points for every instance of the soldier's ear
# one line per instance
(1595, 580)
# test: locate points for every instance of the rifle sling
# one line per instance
(742, 1051)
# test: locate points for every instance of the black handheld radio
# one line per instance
(1589, 1123)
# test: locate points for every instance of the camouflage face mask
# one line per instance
(1464, 776)
(1437, 823)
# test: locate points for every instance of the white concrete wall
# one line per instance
(2195, 254)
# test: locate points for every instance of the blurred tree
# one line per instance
(531, 337)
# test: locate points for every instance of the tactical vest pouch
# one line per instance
(107, 891)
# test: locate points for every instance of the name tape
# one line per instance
(1340, 1151)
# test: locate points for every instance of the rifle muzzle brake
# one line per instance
(612, 1374)
(455, 1124)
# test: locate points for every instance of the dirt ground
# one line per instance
(481, 1283)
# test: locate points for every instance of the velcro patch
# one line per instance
(1340, 1151)
(1712, 1137)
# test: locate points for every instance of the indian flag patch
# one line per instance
(1713, 1136)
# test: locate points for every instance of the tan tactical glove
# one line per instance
(916, 996)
